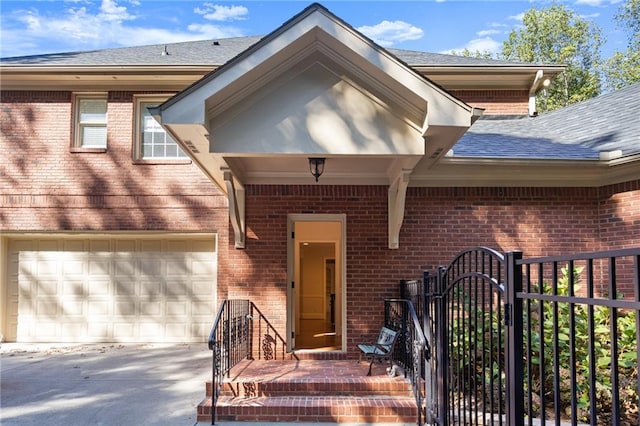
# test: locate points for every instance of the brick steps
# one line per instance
(334, 409)
(336, 391)
(250, 389)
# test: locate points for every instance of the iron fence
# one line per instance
(536, 341)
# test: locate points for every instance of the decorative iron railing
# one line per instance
(412, 349)
(232, 340)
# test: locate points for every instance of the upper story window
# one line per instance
(151, 141)
(90, 121)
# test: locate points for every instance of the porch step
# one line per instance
(336, 391)
(333, 409)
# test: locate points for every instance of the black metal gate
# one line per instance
(517, 341)
(464, 315)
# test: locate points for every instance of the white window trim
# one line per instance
(137, 145)
(77, 142)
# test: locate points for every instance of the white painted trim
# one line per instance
(396, 200)
(235, 192)
(4, 287)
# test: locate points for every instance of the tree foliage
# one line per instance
(557, 35)
(623, 68)
(473, 54)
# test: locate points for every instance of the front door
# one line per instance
(316, 274)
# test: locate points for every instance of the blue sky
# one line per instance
(36, 27)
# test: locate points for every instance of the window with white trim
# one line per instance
(90, 121)
(152, 142)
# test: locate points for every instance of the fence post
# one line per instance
(443, 356)
(423, 299)
(513, 323)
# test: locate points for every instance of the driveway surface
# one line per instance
(102, 384)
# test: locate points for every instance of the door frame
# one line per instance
(341, 248)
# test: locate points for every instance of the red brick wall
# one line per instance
(496, 102)
(45, 187)
(620, 215)
(438, 223)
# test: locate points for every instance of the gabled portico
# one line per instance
(315, 88)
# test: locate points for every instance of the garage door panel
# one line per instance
(151, 288)
(99, 310)
(99, 287)
(74, 307)
(47, 286)
(125, 287)
(71, 267)
(203, 307)
(86, 293)
(68, 330)
(178, 288)
(200, 266)
(150, 267)
(100, 265)
(73, 287)
(124, 331)
(150, 330)
(126, 308)
(47, 307)
(98, 331)
(151, 309)
(177, 308)
(201, 288)
(173, 331)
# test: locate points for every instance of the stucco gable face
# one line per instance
(315, 112)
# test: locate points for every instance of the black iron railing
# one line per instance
(580, 338)
(232, 339)
(412, 349)
(534, 341)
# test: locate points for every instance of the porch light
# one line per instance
(316, 166)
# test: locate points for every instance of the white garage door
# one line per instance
(118, 290)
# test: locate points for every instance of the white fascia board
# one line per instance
(492, 172)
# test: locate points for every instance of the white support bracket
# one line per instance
(396, 200)
(235, 194)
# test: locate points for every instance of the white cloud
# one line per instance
(592, 2)
(482, 45)
(110, 11)
(27, 32)
(485, 33)
(518, 17)
(216, 12)
(388, 33)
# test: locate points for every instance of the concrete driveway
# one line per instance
(102, 384)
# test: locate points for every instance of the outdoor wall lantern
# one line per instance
(316, 166)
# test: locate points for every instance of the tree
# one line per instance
(623, 68)
(469, 54)
(557, 35)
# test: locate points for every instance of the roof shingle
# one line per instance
(581, 131)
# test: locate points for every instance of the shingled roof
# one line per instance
(581, 131)
(215, 53)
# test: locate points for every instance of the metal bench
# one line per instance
(381, 350)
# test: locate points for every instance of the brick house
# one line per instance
(117, 228)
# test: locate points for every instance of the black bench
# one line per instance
(381, 350)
